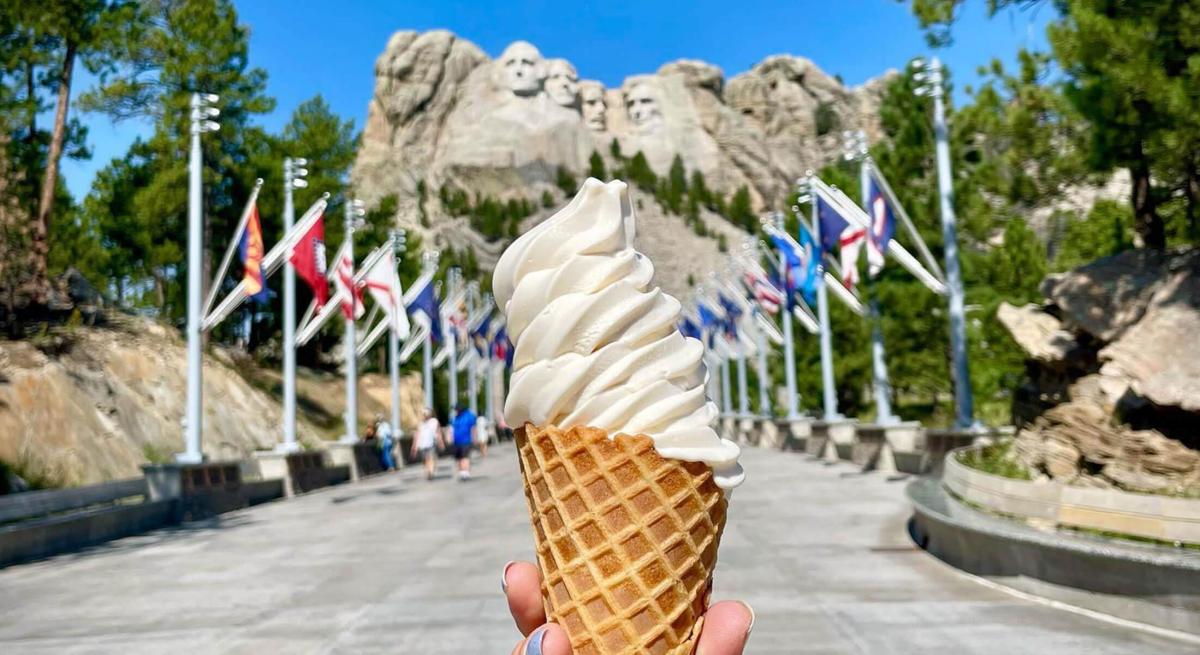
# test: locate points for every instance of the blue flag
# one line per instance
(689, 329)
(427, 303)
(883, 226)
(732, 313)
(810, 266)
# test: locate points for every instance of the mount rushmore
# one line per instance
(444, 113)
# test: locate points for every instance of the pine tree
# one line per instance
(676, 185)
(565, 181)
(640, 173)
(596, 167)
(741, 212)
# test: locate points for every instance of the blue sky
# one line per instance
(329, 47)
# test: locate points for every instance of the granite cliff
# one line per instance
(445, 115)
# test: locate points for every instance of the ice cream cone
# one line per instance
(626, 539)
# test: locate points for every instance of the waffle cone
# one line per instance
(626, 540)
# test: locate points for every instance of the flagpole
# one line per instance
(293, 178)
(452, 341)
(856, 148)
(827, 382)
(394, 345)
(472, 377)
(789, 347)
(964, 402)
(354, 211)
(429, 263)
(726, 389)
(201, 116)
(743, 395)
(764, 380)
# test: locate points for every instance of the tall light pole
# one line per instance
(354, 213)
(293, 178)
(398, 240)
(789, 346)
(828, 387)
(202, 113)
(932, 83)
(854, 146)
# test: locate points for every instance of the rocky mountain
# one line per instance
(1113, 395)
(445, 115)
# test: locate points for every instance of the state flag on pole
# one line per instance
(308, 258)
(343, 280)
(383, 284)
(883, 227)
(768, 296)
(252, 251)
(425, 308)
(838, 232)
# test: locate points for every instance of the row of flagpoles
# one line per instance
(742, 312)
(457, 319)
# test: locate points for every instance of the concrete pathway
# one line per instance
(399, 565)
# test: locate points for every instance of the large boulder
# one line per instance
(1115, 373)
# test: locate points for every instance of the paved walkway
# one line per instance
(398, 565)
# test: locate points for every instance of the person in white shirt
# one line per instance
(428, 434)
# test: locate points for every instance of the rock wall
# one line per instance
(1113, 395)
(96, 403)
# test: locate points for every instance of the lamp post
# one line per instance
(931, 78)
(398, 241)
(293, 178)
(354, 213)
(854, 148)
(202, 115)
(472, 378)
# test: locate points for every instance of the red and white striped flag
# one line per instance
(768, 297)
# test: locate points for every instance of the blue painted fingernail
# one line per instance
(534, 645)
(504, 577)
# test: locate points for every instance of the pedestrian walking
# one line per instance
(464, 437)
(427, 442)
(383, 432)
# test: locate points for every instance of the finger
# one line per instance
(522, 583)
(726, 627)
(550, 639)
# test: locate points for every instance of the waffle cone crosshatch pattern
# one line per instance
(626, 539)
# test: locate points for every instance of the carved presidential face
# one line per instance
(562, 82)
(643, 105)
(522, 68)
(593, 108)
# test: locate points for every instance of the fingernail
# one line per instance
(504, 577)
(751, 611)
(533, 646)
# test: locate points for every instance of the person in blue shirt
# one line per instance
(464, 436)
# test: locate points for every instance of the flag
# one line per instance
(479, 334)
(252, 251)
(426, 305)
(308, 258)
(732, 313)
(883, 227)
(382, 282)
(502, 349)
(837, 232)
(343, 280)
(810, 265)
(689, 329)
(768, 296)
(801, 264)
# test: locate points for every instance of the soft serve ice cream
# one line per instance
(596, 344)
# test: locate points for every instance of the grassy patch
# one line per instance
(996, 459)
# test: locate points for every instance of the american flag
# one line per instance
(768, 296)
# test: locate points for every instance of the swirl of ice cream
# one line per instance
(596, 345)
